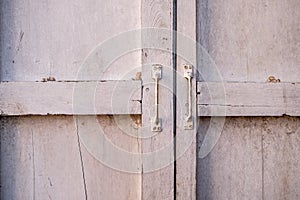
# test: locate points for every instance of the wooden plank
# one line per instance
(186, 139)
(249, 40)
(281, 148)
(260, 159)
(105, 180)
(209, 110)
(40, 158)
(241, 94)
(40, 39)
(16, 166)
(233, 169)
(157, 148)
(68, 98)
(292, 98)
(248, 99)
(57, 162)
(52, 38)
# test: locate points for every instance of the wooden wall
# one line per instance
(255, 157)
(52, 38)
(250, 40)
(41, 156)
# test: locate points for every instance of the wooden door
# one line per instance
(245, 48)
(44, 49)
(88, 101)
(149, 99)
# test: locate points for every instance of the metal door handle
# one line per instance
(188, 119)
(156, 121)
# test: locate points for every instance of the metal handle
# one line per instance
(188, 120)
(156, 121)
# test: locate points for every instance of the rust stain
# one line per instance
(138, 76)
(50, 78)
(272, 79)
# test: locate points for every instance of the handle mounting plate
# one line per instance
(156, 125)
(156, 71)
(188, 71)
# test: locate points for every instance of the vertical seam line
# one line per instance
(174, 59)
(81, 161)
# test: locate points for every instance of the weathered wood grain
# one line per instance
(68, 98)
(281, 149)
(233, 169)
(255, 158)
(248, 99)
(52, 38)
(250, 40)
(40, 158)
(16, 160)
(106, 180)
(186, 139)
(292, 99)
(157, 148)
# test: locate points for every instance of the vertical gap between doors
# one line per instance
(174, 59)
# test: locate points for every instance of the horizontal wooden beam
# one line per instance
(70, 98)
(248, 99)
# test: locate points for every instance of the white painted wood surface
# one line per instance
(233, 169)
(17, 171)
(248, 99)
(292, 99)
(241, 99)
(186, 139)
(40, 158)
(52, 38)
(255, 158)
(281, 143)
(104, 181)
(157, 148)
(68, 98)
(250, 40)
(40, 39)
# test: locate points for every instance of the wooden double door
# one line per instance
(88, 101)
(128, 99)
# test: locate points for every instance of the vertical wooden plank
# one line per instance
(186, 139)
(57, 159)
(157, 147)
(281, 147)
(233, 169)
(102, 180)
(52, 38)
(40, 158)
(16, 160)
(251, 40)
